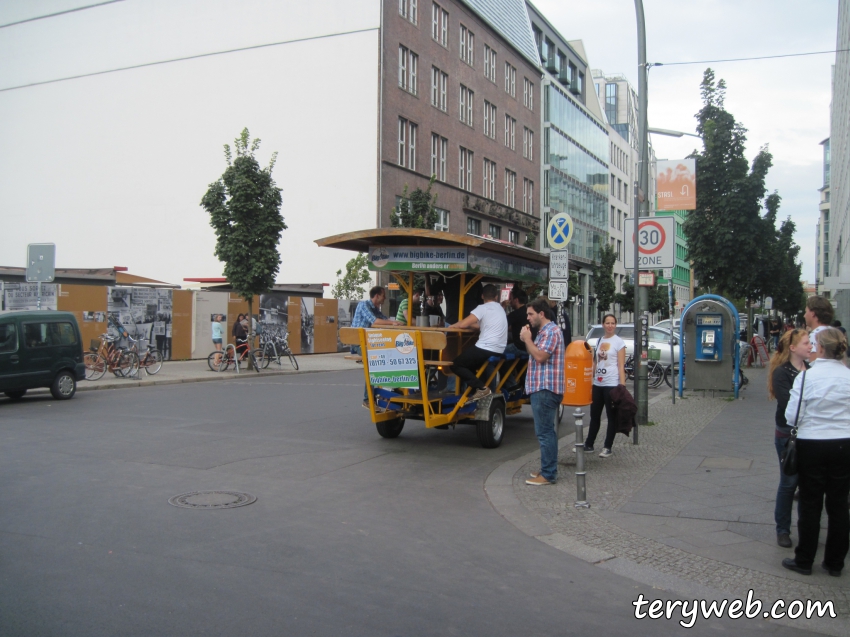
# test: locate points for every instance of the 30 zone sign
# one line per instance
(656, 243)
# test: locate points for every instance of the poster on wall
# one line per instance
(345, 314)
(94, 317)
(307, 325)
(274, 315)
(145, 313)
(18, 297)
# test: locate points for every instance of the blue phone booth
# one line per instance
(709, 330)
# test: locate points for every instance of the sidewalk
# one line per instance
(197, 371)
(689, 510)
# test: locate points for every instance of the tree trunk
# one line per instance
(251, 331)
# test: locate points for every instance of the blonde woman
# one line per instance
(790, 359)
(823, 454)
(609, 370)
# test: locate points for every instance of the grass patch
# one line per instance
(729, 399)
(650, 423)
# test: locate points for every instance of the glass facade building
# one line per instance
(575, 174)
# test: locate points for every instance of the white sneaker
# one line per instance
(606, 453)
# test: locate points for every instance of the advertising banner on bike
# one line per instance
(393, 359)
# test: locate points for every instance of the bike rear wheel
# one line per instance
(214, 360)
(95, 365)
(293, 361)
(654, 374)
(264, 356)
(152, 361)
(128, 364)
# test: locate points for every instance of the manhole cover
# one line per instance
(212, 500)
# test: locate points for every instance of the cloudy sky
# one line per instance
(76, 157)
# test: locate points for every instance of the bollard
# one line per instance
(581, 486)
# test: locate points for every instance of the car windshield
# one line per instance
(626, 332)
(596, 332)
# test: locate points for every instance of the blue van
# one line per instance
(40, 349)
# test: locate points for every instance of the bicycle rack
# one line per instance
(235, 357)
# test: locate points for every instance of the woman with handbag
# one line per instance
(789, 360)
(820, 405)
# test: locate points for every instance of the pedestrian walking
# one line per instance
(609, 360)
(544, 384)
(774, 333)
(822, 395)
(791, 357)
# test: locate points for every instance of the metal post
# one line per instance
(670, 305)
(38, 302)
(641, 297)
(581, 486)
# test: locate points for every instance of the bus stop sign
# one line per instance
(41, 262)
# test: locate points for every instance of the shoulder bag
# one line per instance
(789, 456)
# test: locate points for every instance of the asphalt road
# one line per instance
(351, 534)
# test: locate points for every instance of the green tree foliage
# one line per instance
(603, 278)
(530, 240)
(573, 288)
(351, 284)
(782, 270)
(726, 231)
(656, 298)
(416, 210)
(244, 208)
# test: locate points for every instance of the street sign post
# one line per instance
(559, 289)
(41, 265)
(656, 243)
(559, 264)
(559, 231)
(646, 279)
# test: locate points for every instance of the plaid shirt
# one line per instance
(365, 314)
(549, 374)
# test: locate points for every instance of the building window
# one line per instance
(612, 216)
(439, 88)
(408, 64)
(408, 9)
(465, 169)
(510, 132)
(439, 150)
(611, 103)
(527, 196)
(510, 79)
(440, 24)
(528, 143)
(442, 224)
(467, 45)
(407, 143)
(489, 179)
(495, 231)
(580, 82)
(473, 226)
(528, 94)
(489, 63)
(467, 99)
(510, 188)
(625, 192)
(513, 236)
(619, 248)
(490, 120)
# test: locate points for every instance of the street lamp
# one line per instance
(672, 133)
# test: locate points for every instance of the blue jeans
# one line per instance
(785, 492)
(544, 406)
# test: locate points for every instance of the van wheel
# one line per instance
(491, 431)
(64, 385)
(16, 395)
(390, 428)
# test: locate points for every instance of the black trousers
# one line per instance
(601, 398)
(466, 365)
(823, 468)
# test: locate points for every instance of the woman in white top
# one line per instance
(823, 454)
(609, 370)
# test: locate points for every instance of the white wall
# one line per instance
(112, 168)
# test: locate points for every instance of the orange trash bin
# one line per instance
(578, 375)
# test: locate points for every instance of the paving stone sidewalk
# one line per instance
(690, 507)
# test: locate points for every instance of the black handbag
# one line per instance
(789, 456)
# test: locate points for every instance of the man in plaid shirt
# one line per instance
(544, 383)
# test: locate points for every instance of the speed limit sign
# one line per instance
(656, 240)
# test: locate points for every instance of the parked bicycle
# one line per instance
(222, 360)
(274, 348)
(104, 355)
(150, 360)
(654, 371)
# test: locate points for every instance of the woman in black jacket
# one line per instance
(788, 361)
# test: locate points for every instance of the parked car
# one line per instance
(40, 349)
(659, 339)
(667, 323)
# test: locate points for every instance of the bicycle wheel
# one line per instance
(256, 363)
(671, 376)
(128, 364)
(225, 363)
(293, 361)
(211, 360)
(263, 356)
(654, 374)
(95, 365)
(152, 361)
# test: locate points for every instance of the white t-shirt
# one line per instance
(493, 325)
(606, 372)
(813, 337)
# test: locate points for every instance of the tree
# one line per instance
(603, 278)
(656, 295)
(725, 233)
(350, 285)
(244, 208)
(782, 270)
(416, 210)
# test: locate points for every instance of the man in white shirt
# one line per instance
(490, 319)
(819, 315)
